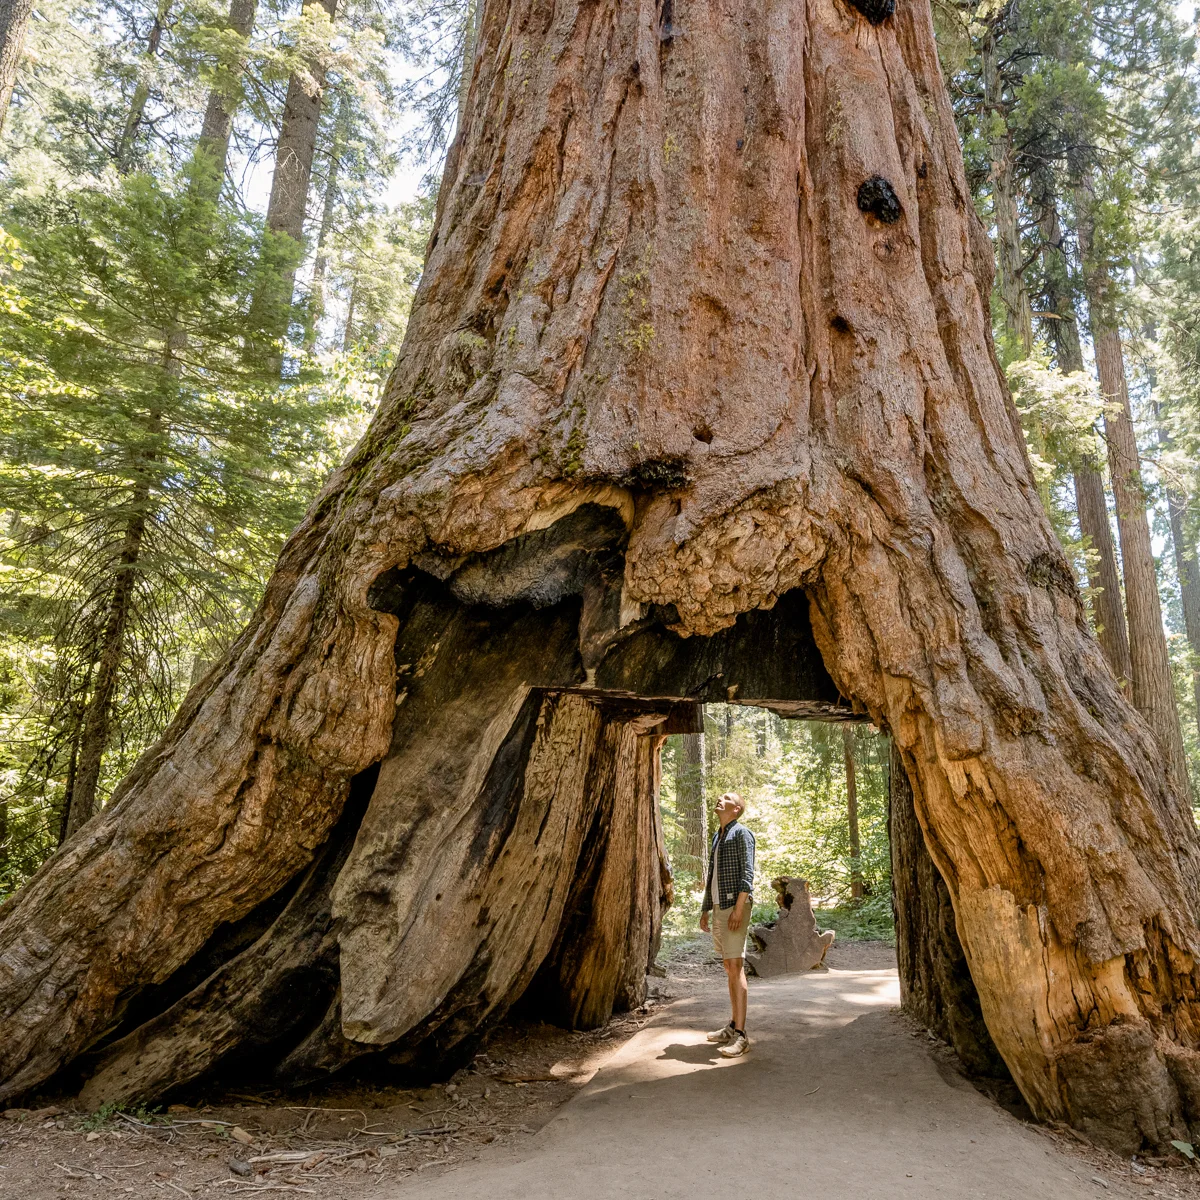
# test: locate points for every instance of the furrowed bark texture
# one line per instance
(935, 982)
(728, 289)
(14, 21)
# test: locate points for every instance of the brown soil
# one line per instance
(340, 1141)
(330, 1143)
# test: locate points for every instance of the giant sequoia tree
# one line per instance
(700, 355)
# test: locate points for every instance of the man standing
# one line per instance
(729, 893)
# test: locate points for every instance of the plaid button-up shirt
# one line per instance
(736, 862)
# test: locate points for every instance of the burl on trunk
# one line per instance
(705, 281)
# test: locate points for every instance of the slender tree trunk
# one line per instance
(97, 713)
(1153, 688)
(348, 333)
(773, 212)
(1104, 581)
(1018, 318)
(760, 734)
(95, 717)
(14, 20)
(690, 799)
(212, 149)
(856, 876)
(295, 148)
(316, 309)
(1186, 571)
(1091, 505)
(127, 145)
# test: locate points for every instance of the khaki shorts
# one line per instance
(730, 943)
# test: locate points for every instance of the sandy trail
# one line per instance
(836, 1100)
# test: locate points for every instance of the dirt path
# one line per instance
(839, 1099)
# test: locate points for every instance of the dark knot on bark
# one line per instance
(879, 198)
(876, 11)
(655, 475)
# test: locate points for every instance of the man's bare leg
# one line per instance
(739, 990)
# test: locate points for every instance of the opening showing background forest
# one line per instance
(213, 215)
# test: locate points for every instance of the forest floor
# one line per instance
(349, 1141)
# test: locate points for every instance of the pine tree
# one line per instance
(14, 20)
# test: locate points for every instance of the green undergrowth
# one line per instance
(682, 941)
(868, 921)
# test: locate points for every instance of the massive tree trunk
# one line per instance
(14, 21)
(701, 353)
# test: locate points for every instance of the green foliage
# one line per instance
(126, 404)
(152, 460)
(792, 775)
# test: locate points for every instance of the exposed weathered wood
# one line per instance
(935, 982)
(793, 942)
(740, 664)
(610, 936)
(270, 994)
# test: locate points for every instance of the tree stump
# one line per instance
(792, 943)
(664, 383)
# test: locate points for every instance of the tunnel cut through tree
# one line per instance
(715, 273)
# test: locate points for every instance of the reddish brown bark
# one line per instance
(297, 142)
(1104, 580)
(1153, 689)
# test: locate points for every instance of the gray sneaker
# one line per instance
(736, 1047)
(722, 1036)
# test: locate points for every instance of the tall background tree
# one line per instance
(150, 469)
